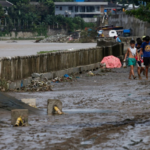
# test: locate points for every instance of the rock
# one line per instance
(23, 113)
(3, 90)
(35, 75)
(55, 38)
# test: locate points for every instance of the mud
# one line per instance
(106, 111)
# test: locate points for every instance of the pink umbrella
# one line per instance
(111, 62)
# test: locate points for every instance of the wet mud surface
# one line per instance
(106, 111)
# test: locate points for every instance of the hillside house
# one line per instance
(87, 10)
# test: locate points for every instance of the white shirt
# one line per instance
(133, 51)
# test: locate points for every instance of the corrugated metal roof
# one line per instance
(5, 3)
(81, 3)
(95, 1)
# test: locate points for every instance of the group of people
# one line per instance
(139, 54)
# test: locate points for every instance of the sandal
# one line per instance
(134, 77)
(140, 77)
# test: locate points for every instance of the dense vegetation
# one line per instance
(136, 2)
(26, 17)
(141, 13)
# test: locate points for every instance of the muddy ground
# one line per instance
(103, 112)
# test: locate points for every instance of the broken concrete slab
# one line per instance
(12, 86)
(47, 75)
(18, 84)
(75, 70)
(25, 82)
(23, 113)
(50, 105)
(35, 75)
(61, 73)
(29, 101)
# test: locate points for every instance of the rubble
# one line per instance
(102, 65)
(62, 79)
(37, 82)
(35, 75)
(56, 38)
(90, 73)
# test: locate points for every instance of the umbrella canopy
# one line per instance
(111, 62)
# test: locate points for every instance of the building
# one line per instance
(89, 11)
(112, 6)
(5, 3)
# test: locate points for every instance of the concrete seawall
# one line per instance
(19, 68)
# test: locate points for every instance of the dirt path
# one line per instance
(107, 111)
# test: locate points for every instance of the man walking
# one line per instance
(145, 50)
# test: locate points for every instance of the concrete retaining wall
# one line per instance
(18, 68)
(138, 27)
(109, 40)
(22, 34)
(56, 31)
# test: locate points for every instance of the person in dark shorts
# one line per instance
(145, 50)
(139, 58)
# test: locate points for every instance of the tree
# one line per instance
(51, 6)
(22, 1)
(1, 11)
(141, 13)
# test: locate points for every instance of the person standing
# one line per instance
(132, 52)
(145, 49)
(117, 39)
(139, 58)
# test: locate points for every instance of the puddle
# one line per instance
(82, 111)
(86, 142)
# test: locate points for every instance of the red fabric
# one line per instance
(111, 62)
(140, 59)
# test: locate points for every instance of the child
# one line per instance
(145, 50)
(117, 39)
(143, 38)
(139, 58)
(132, 52)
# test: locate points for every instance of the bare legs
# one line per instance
(147, 72)
(139, 72)
(131, 72)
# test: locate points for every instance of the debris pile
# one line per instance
(38, 84)
(100, 72)
(65, 78)
(102, 65)
(90, 73)
(56, 38)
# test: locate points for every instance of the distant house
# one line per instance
(112, 6)
(85, 10)
(5, 3)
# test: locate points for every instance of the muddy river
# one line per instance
(29, 47)
(103, 112)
